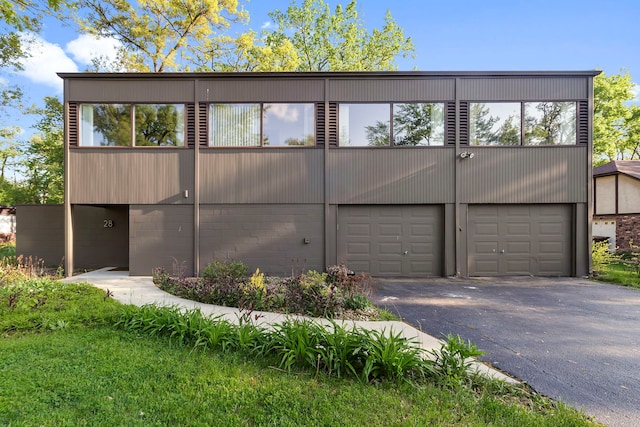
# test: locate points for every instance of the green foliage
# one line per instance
(44, 156)
(104, 376)
(7, 250)
(161, 35)
(40, 304)
(236, 270)
(311, 293)
(616, 123)
(601, 257)
(452, 362)
(310, 37)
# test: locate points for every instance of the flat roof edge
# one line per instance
(333, 74)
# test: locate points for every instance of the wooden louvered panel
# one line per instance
(203, 124)
(583, 123)
(320, 128)
(450, 123)
(191, 125)
(333, 124)
(464, 123)
(73, 129)
(326, 132)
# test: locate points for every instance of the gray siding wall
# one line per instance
(160, 236)
(520, 88)
(269, 237)
(123, 91)
(261, 176)
(370, 90)
(130, 176)
(266, 90)
(399, 176)
(40, 232)
(97, 246)
(524, 175)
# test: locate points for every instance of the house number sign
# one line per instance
(107, 223)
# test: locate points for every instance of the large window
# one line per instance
(254, 125)
(495, 123)
(522, 123)
(159, 125)
(111, 125)
(550, 123)
(105, 125)
(373, 125)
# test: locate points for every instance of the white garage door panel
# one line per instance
(397, 240)
(520, 240)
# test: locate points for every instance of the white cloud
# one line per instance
(45, 60)
(86, 47)
(266, 25)
(636, 92)
(284, 112)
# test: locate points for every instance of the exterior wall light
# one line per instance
(466, 155)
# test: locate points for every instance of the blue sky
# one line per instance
(448, 35)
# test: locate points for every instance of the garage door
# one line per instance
(391, 240)
(520, 240)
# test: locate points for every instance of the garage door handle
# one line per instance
(405, 252)
(501, 251)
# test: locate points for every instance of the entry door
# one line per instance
(520, 240)
(397, 240)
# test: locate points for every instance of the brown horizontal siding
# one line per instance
(380, 175)
(284, 175)
(524, 175)
(133, 175)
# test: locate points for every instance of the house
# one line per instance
(616, 207)
(7, 224)
(393, 173)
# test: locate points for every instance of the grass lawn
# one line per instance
(102, 376)
(620, 273)
(62, 362)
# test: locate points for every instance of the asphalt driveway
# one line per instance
(570, 339)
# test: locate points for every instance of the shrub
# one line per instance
(234, 270)
(601, 256)
(310, 294)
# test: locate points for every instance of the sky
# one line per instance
(461, 35)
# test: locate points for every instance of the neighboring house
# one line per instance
(7, 224)
(391, 173)
(616, 204)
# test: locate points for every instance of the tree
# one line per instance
(616, 123)
(338, 41)
(20, 16)
(43, 157)
(416, 124)
(161, 35)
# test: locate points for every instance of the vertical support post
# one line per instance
(196, 183)
(458, 228)
(325, 174)
(68, 212)
(590, 201)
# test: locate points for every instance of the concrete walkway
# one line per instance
(140, 290)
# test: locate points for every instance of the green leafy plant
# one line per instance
(236, 270)
(601, 256)
(453, 361)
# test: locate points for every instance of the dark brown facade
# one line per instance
(391, 210)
